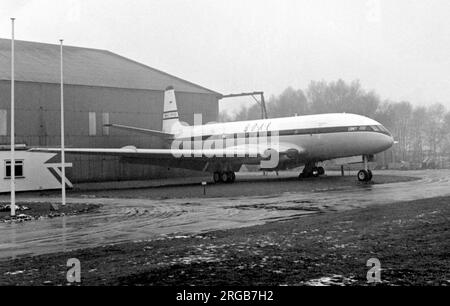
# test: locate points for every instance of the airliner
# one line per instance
(273, 144)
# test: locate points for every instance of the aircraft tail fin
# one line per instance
(170, 119)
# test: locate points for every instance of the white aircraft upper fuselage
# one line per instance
(318, 137)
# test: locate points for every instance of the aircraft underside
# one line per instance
(223, 170)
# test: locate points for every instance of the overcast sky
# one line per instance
(399, 48)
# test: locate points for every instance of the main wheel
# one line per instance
(321, 170)
(363, 176)
(315, 172)
(370, 175)
(224, 177)
(233, 177)
(229, 177)
(216, 177)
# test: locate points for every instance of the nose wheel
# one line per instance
(365, 175)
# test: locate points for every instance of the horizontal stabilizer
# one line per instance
(141, 130)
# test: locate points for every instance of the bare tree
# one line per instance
(434, 130)
(396, 116)
(417, 134)
(289, 103)
(224, 116)
(341, 97)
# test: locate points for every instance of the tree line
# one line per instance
(422, 132)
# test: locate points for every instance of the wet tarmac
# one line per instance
(128, 219)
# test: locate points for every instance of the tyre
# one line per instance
(370, 175)
(363, 176)
(224, 177)
(321, 170)
(229, 177)
(233, 177)
(315, 172)
(216, 177)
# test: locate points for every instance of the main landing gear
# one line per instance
(365, 175)
(224, 177)
(311, 170)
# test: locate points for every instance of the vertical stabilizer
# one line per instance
(171, 120)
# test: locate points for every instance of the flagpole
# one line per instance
(13, 161)
(63, 158)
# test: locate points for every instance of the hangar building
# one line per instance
(99, 87)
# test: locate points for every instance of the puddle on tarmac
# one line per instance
(334, 280)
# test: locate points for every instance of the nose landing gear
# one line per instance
(365, 175)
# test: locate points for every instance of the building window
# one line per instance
(92, 124)
(105, 120)
(18, 167)
(3, 122)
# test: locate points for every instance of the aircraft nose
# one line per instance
(386, 142)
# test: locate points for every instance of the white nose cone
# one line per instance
(386, 143)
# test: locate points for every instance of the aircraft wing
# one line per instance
(248, 151)
(196, 159)
(141, 130)
(131, 151)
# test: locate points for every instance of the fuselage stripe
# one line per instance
(293, 132)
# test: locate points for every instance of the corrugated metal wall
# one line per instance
(38, 123)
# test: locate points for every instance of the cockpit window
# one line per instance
(383, 129)
(374, 128)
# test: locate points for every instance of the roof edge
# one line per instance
(218, 95)
(54, 44)
(122, 57)
(165, 73)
